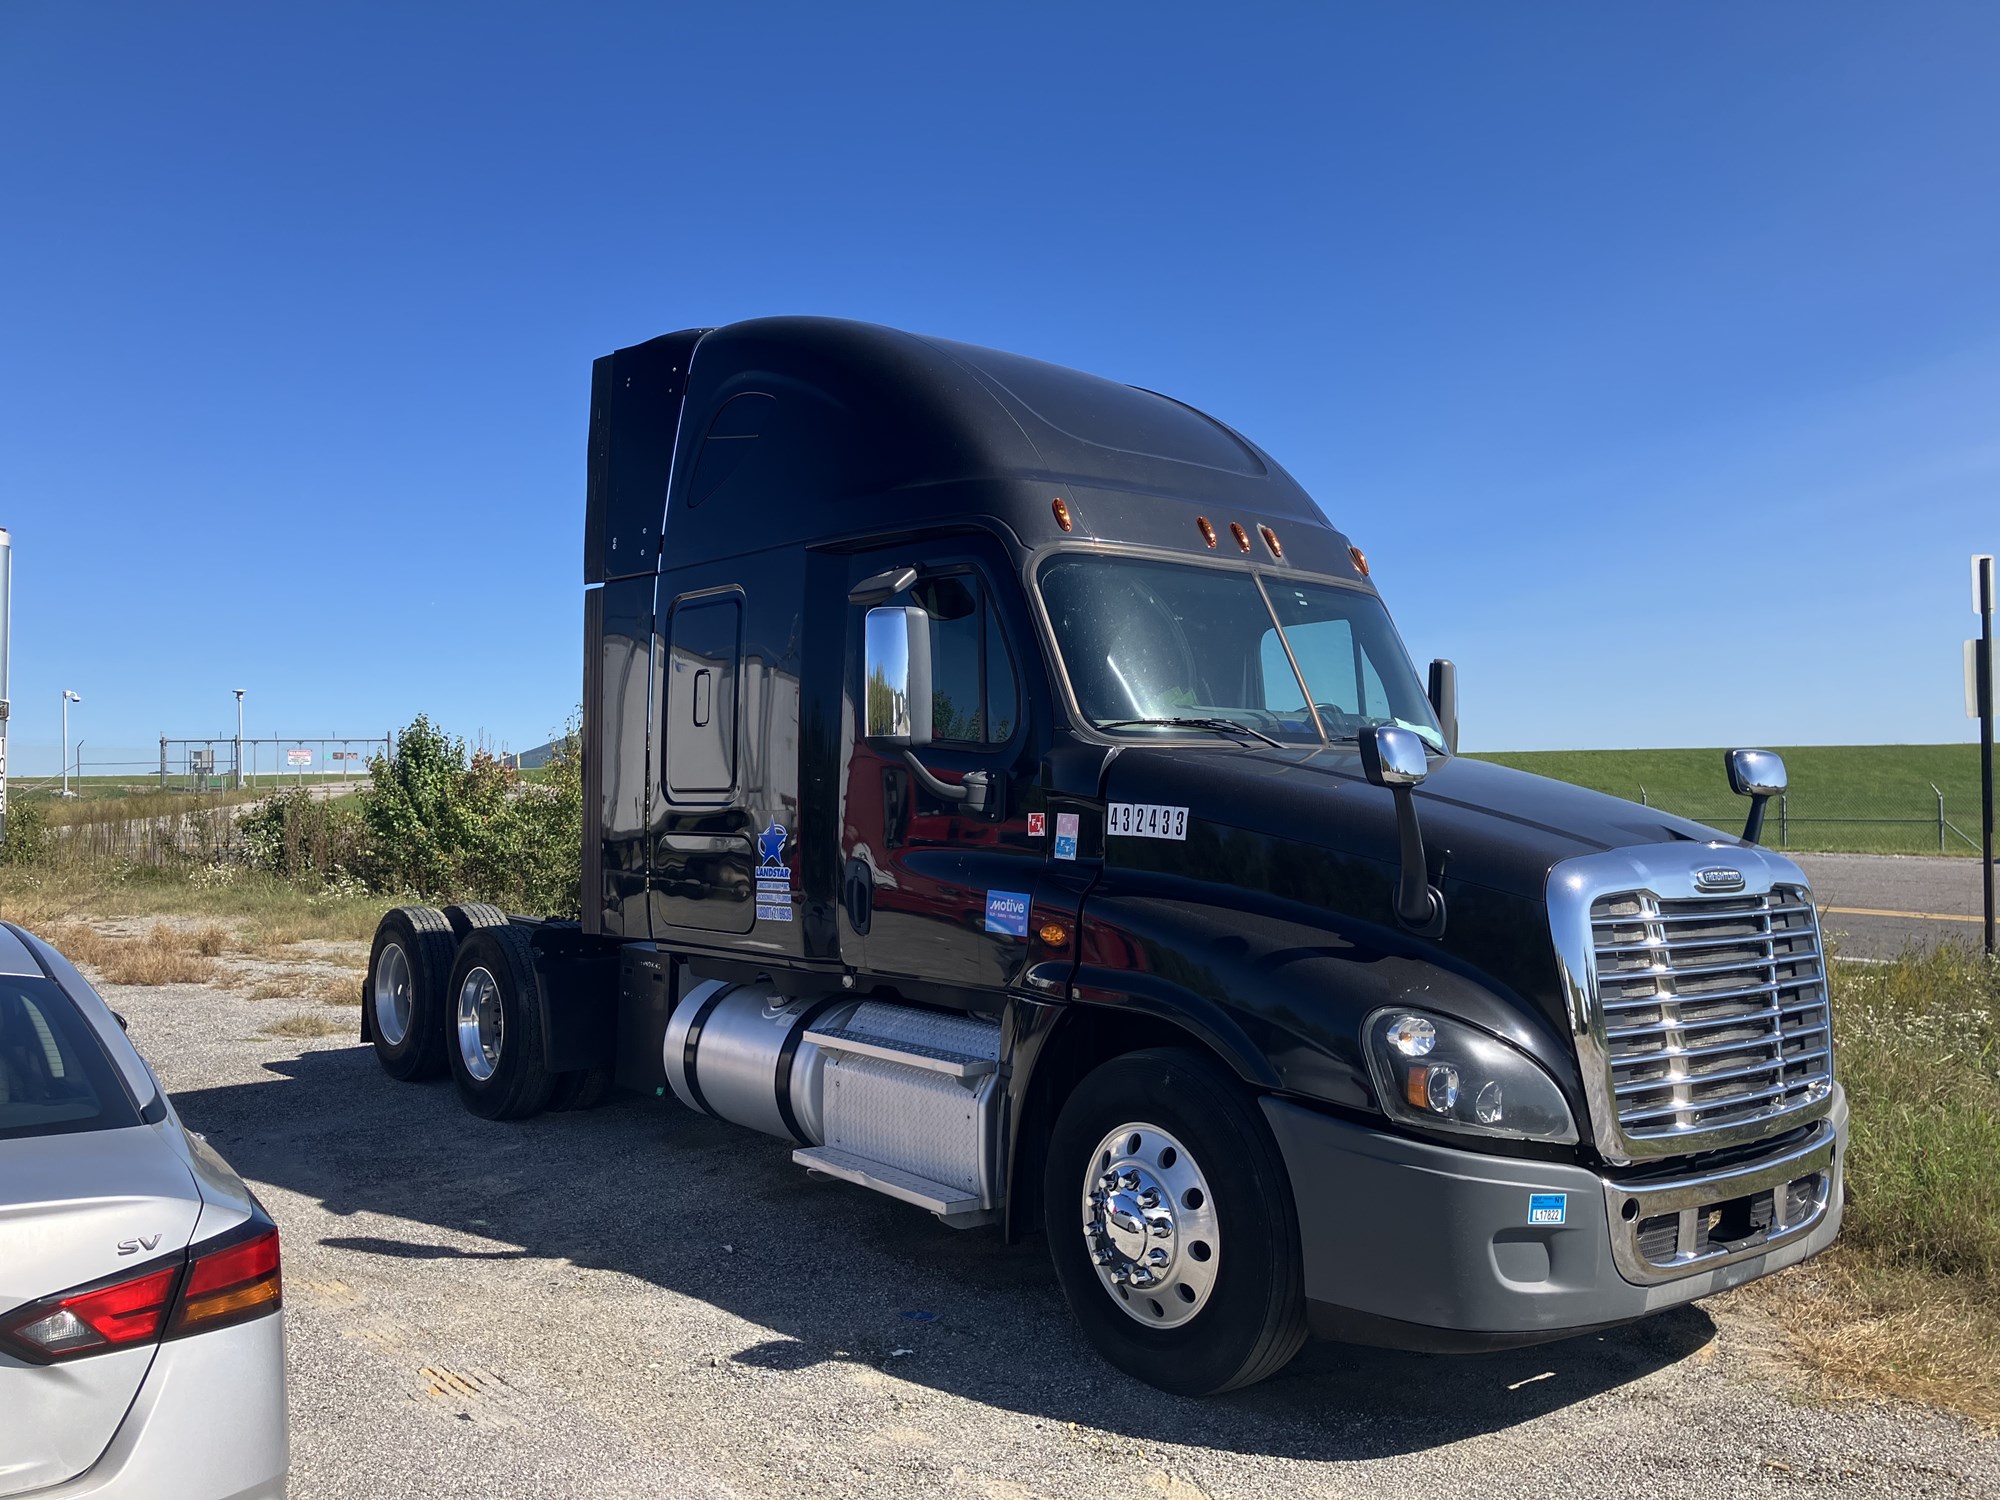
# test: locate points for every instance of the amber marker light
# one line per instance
(1061, 508)
(1360, 560)
(1053, 934)
(1207, 531)
(1242, 537)
(1271, 540)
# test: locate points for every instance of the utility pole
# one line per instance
(239, 737)
(6, 612)
(1982, 676)
(68, 698)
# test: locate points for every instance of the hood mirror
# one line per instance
(1393, 757)
(1758, 775)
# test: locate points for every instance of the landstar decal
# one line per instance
(774, 876)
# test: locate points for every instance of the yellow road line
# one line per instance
(1915, 916)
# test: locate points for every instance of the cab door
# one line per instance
(930, 891)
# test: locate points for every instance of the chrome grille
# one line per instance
(1713, 1010)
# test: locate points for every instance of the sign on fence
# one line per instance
(298, 757)
(343, 755)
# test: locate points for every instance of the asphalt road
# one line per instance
(641, 1302)
(1876, 905)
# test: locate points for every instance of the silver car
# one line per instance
(142, 1350)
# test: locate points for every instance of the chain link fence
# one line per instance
(1887, 821)
(207, 765)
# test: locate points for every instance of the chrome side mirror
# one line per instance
(1758, 775)
(1392, 756)
(896, 674)
(1755, 773)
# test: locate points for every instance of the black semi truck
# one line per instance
(1004, 785)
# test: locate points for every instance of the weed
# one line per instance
(165, 955)
(338, 987)
(1905, 1304)
(307, 1023)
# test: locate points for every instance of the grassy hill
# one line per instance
(1870, 798)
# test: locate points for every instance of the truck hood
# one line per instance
(1488, 825)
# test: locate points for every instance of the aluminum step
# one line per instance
(909, 1054)
(892, 1181)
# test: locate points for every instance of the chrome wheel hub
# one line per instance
(1149, 1222)
(393, 995)
(482, 1025)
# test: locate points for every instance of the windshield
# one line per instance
(1149, 643)
(54, 1076)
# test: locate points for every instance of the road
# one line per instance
(641, 1302)
(1875, 905)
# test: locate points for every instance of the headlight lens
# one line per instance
(1446, 1075)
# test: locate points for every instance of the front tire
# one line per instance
(493, 1026)
(403, 995)
(1171, 1224)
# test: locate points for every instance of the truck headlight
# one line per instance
(1446, 1075)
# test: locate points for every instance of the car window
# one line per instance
(54, 1076)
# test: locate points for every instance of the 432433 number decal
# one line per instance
(1146, 820)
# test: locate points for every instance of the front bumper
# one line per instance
(1420, 1246)
(208, 1424)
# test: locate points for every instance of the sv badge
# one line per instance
(144, 1242)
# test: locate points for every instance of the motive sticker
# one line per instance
(1038, 825)
(1007, 913)
(1548, 1208)
(1146, 820)
(774, 876)
(1066, 835)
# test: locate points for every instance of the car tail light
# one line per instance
(94, 1320)
(211, 1286)
(229, 1284)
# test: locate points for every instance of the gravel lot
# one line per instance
(636, 1301)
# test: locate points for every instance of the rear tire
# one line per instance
(1184, 1267)
(586, 1088)
(493, 1026)
(466, 916)
(403, 995)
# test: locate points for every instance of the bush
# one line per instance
(549, 815)
(296, 835)
(435, 817)
(453, 825)
(27, 838)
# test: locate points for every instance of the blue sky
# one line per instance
(1651, 352)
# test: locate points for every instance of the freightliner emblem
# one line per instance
(1718, 878)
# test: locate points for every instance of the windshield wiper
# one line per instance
(1219, 725)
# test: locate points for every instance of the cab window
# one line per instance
(975, 699)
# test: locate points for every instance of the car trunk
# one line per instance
(77, 1209)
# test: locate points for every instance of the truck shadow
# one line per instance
(651, 1190)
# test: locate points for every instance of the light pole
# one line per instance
(239, 737)
(67, 699)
